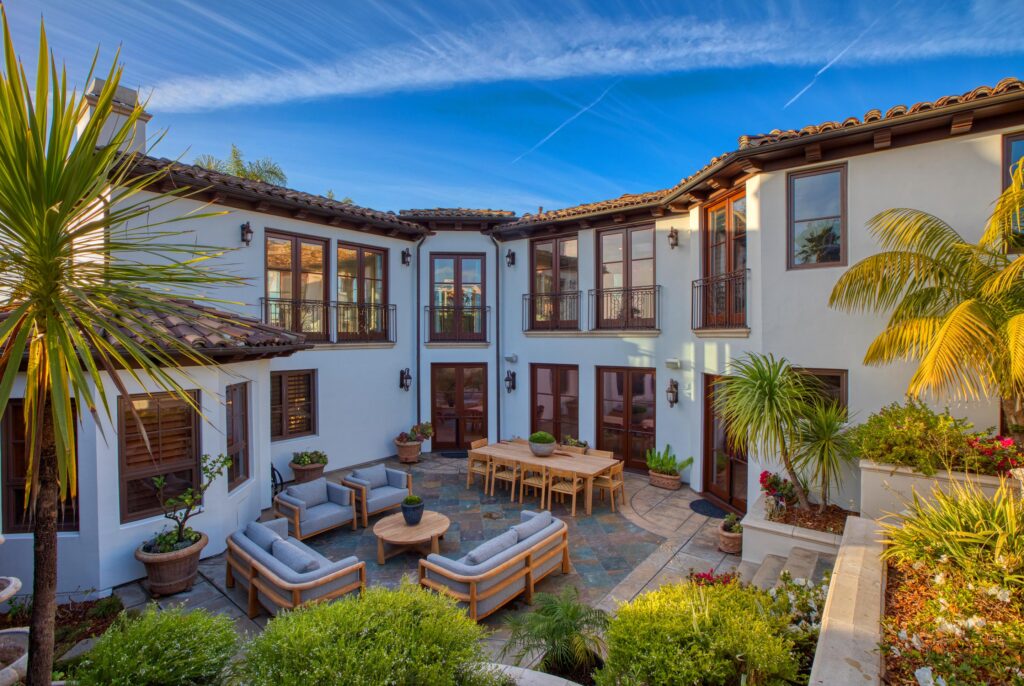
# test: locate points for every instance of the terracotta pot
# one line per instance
(729, 542)
(409, 452)
(174, 572)
(307, 472)
(669, 481)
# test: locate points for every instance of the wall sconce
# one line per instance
(510, 381)
(405, 379)
(246, 234)
(673, 238)
(406, 257)
(672, 392)
(510, 258)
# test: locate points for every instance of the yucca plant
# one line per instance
(823, 446)
(956, 308)
(77, 297)
(566, 632)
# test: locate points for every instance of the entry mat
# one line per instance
(707, 508)
(458, 455)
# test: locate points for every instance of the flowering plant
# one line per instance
(1001, 454)
(417, 433)
(709, 578)
(777, 487)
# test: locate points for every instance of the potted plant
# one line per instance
(172, 556)
(412, 509)
(575, 443)
(542, 444)
(308, 465)
(410, 443)
(663, 468)
(730, 535)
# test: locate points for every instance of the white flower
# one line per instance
(915, 641)
(944, 626)
(975, 622)
(925, 678)
(902, 635)
(939, 579)
(944, 559)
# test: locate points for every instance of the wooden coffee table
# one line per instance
(401, 537)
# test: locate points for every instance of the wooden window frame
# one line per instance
(730, 234)
(460, 367)
(296, 240)
(844, 218)
(556, 395)
(556, 322)
(600, 320)
(193, 462)
(360, 249)
(314, 412)
(241, 469)
(627, 419)
(457, 334)
(844, 380)
(1008, 140)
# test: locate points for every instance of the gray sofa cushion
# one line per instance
(311, 493)
(385, 496)
(376, 476)
(336, 493)
(324, 516)
(532, 523)
(294, 557)
(397, 478)
(262, 536)
(488, 549)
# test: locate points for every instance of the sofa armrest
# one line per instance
(336, 493)
(527, 515)
(397, 478)
(356, 484)
(294, 503)
(278, 525)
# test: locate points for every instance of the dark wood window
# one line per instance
(725, 466)
(293, 404)
(171, 427)
(627, 294)
(14, 468)
(625, 413)
(720, 297)
(833, 384)
(555, 395)
(1013, 153)
(817, 218)
(296, 284)
(236, 405)
(362, 292)
(554, 289)
(457, 311)
(458, 405)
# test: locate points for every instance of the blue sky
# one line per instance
(441, 103)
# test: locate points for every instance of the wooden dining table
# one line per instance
(585, 466)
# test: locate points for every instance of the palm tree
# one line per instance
(74, 294)
(763, 403)
(823, 446)
(263, 169)
(955, 307)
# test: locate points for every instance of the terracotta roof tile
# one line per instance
(457, 212)
(622, 202)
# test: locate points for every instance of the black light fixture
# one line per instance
(510, 381)
(673, 238)
(405, 379)
(510, 258)
(406, 257)
(246, 233)
(672, 392)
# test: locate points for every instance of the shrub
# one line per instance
(307, 457)
(168, 647)
(541, 437)
(662, 462)
(699, 634)
(403, 636)
(576, 443)
(710, 578)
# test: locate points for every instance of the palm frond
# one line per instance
(958, 359)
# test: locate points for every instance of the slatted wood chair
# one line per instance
(564, 482)
(574, 449)
(505, 470)
(535, 477)
(612, 481)
(601, 453)
(478, 464)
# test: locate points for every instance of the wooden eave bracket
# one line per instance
(300, 214)
(812, 153)
(658, 211)
(961, 123)
(883, 139)
(619, 218)
(262, 206)
(751, 166)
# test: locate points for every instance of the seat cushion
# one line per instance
(294, 557)
(325, 516)
(261, 535)
(385, 496)
(376, 476)
(532, 525)
(312, 492)
(489, 549)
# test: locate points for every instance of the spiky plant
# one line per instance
(823, 446)
(263, 169)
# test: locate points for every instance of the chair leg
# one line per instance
(469, 476)
(512, 489)
(522, 488)
(611, 496)
(574, 502)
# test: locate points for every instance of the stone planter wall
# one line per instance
(762, 537)
(886, 488)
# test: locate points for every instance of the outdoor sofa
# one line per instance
(316, 506)
(378, 488)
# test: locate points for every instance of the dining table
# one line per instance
(585, 466)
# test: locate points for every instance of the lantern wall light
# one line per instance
(672, 392)
(510, 381)
(406, 257)
(673, 238)
(405, 379)
(510, 258)
(247, 233)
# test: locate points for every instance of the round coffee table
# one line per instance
(401, 537)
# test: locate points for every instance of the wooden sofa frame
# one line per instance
(359, 491)
(291, 513)
(474, 597)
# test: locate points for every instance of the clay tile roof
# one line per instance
(1007, 85)
(622, 202)
(457, 213)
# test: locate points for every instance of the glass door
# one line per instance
(725, 468)
(458, 404)
(626, 418)
(457, 298)
(555, 391)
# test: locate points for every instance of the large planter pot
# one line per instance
(14, 672)
(728, 542)
(412, 513)
(669, 481)
(408, 452)
(169, 573)
(542, 449)
(888, 489)
(307, 472)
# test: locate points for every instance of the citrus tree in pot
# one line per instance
(308, 465)
(542, 444)
(172, 556)
(663, 468)
(410, 443)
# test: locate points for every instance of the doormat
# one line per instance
(453, 454)
(707, 508)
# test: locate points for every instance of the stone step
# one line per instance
(747, 570)
(767, 574)
(826, 563)
(801, 563)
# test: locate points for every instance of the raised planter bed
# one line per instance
(887, 488)
(762, 537)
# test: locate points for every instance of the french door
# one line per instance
(625, 413)
(296, 284)
(725, 263)
(457, 310)
(627, 297)
(555, 399)
(458, 404)
(725, 467)
(362, 292)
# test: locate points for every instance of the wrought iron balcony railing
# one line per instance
(625, 308)
(551, 311)
(456, 324)
(331, 321)
(720, 302)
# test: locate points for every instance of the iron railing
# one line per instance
(456, 324)
(720, 302)
(551, 311)
(625, 308)
(331, 321)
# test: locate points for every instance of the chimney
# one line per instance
(125, 101)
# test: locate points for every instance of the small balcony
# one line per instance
(456, 324)
(326, 321)
(625, 308)
(551, 311)
(720, 302)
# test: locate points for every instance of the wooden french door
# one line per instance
(625, 413)
(725, 263)
(555, 400)
(458, 404)
(725, 468)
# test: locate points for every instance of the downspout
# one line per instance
(497, 330)
(419, 333)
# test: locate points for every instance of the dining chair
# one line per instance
(535, 477)
(503, 469)
(478, 464)
(612, 480)
(575, 449)
(564, 482)
(600, 453)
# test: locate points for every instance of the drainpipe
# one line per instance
(497, 330)
(419, 333)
